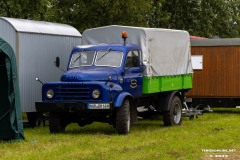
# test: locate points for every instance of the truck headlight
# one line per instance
(96, 94)
(50, 93)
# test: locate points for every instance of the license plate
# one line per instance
(98, 106)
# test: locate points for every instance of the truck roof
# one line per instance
(107, 46)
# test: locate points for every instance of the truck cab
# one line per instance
(98, 79)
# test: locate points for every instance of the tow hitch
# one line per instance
(191, 112)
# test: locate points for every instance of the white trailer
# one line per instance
(37, 44)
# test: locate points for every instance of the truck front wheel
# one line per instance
(123, 118)
(173, 117)
(56, 124)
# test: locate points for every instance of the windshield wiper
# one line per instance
(79, 56)
(104, 54)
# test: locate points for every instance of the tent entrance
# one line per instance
(11, 127)
(4, 101)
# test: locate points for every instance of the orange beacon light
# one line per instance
(124, 36)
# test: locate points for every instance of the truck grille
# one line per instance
(72, 92)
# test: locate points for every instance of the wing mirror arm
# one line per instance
(37, 79)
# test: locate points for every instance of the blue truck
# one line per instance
(110, 77)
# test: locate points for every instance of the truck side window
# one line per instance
(132, 59)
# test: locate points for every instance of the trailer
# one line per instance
(216, 73)
(38, 46)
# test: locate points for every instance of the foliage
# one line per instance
(27, 9)
(85, 14)
(199, 17)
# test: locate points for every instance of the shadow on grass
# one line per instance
(98, 128)
(226, 110)
(104, 129)
(92, 129)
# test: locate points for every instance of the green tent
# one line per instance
(11, 126)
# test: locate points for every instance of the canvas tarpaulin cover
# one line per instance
(165, 52)
(11, 126)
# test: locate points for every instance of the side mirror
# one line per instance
(57, 62)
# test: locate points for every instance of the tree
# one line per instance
(199, 17)
(84, 14)
(218, 17)
(26, 9)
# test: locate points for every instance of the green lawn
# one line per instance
(148, 140)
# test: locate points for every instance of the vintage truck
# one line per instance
(111, 75)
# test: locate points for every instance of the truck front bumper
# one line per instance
(73, 107)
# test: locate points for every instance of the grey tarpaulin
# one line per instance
(165, 51)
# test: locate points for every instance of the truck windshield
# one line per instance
(109, 58)
(84, 58)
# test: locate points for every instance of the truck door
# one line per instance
(133, 74)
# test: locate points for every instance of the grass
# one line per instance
(149, 140)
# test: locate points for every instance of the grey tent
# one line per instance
(11, 126)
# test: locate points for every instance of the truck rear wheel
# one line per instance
(56, 124)
(123, 118)
(173, 117)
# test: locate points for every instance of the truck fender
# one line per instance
(121, 97)
(133, 108)
(166, 99)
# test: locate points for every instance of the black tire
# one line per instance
(56, 124)
(123, 118)
(173, 117)
(32, 119)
